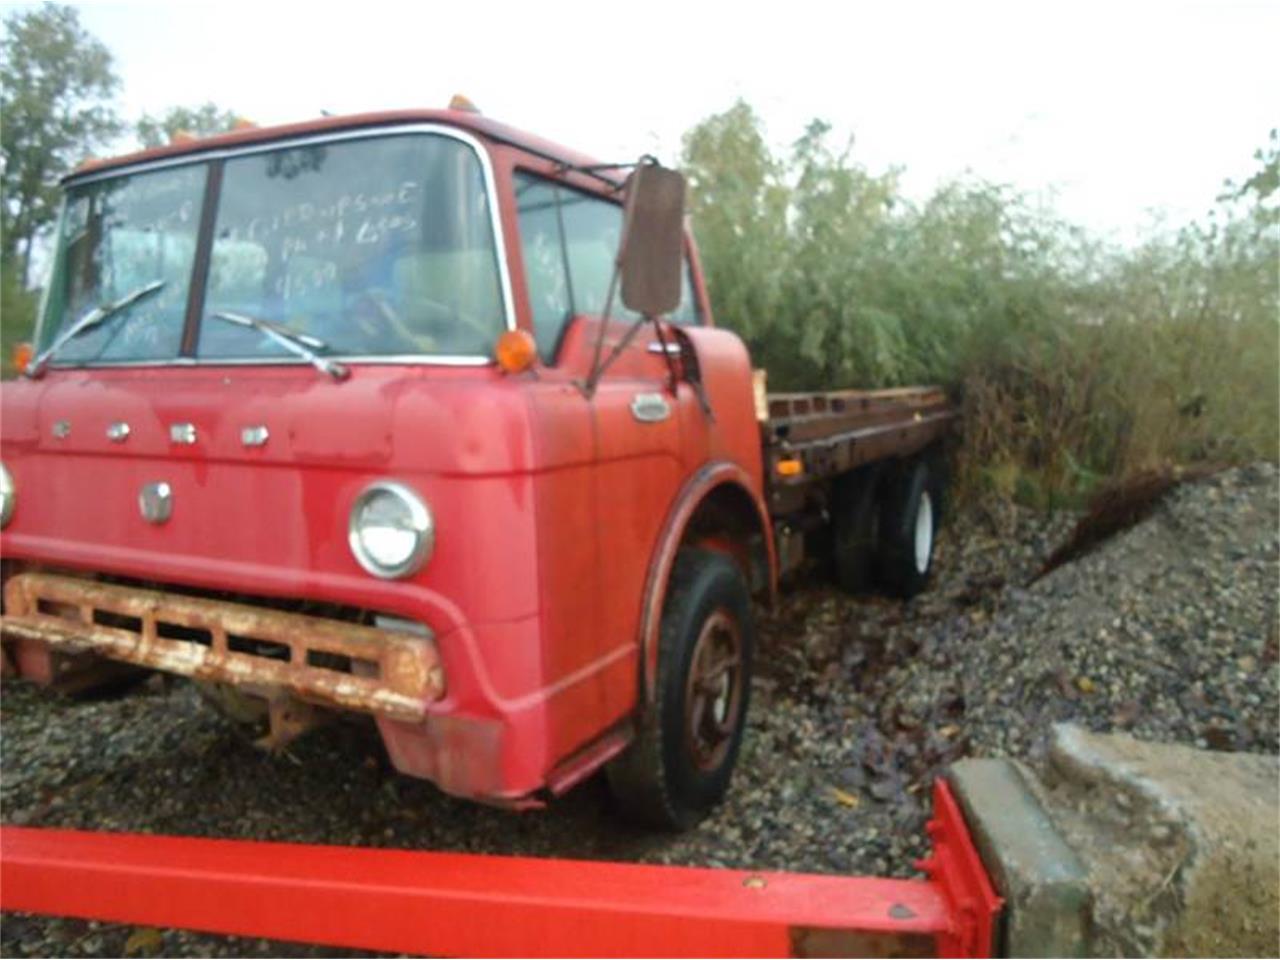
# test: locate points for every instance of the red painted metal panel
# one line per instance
(450, 904)
(956, 867)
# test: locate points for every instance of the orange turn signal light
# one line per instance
(791, 467)
(516, 351)
(22, 355)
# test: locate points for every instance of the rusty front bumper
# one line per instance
(326, 662)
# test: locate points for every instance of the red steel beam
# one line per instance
(459, 904)
(471, 905)
(957, 868)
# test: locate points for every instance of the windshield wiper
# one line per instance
(299, 344)
(92, 319)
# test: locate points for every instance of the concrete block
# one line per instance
(1182, 845)
(1048, 904)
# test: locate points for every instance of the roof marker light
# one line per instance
(459, 102)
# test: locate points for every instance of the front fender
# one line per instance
(695, 490)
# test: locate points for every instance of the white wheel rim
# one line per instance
(924, 533)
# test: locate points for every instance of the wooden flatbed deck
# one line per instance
(812, 437)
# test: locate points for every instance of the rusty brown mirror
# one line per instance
(653, 242)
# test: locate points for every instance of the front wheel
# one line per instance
(680, 764)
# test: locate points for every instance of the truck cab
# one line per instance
(334, 416)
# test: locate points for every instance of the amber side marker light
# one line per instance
(22, 356)
(515, 351)
(789, 468)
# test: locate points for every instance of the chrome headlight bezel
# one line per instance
(8, 496)
(421, 523)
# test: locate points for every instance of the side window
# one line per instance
(544, 261)
(686, 314)
(570, 241)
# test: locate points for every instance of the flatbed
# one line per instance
(833, 432)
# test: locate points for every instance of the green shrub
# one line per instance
(1073, 363)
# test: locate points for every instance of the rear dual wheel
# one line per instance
(855, 526)
(908, 525)
(884, 523)
(679, 766)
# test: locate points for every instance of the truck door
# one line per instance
(569, 242)
(638, 471)
(648, 441)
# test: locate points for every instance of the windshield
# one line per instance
(118, 236)
(380, 246)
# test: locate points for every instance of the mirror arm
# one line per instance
(671, 361)
(693, 372)
(597, 369)
(648, 300)
(597, 170)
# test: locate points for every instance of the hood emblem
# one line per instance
(182, 433)
(155, 502)
(255, 436)
(62, 429)
(118, 432)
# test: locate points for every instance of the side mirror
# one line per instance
(652, 251)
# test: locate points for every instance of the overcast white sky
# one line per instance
(1115, 112)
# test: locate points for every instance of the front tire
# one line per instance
(679, 767)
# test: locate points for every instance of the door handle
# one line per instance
(650, 407)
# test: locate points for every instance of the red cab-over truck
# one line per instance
(417, 416)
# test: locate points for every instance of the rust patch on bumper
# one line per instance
(325, 662)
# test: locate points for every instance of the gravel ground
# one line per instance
(1168, 631)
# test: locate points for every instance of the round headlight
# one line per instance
(8, 495)
(391, 531)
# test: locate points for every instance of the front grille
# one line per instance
(322, 660)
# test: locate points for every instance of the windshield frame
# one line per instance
(200, 264)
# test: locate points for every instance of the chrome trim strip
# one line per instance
(60, 225)
(671, 347)
(363, 133)
(190, 362)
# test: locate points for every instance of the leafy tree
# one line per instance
(56, 81)
(738, 205)
(840, 228)
(201, 121)
(1263, 185)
